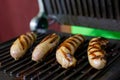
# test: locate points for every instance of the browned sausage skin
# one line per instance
(45, 47)
(21, 45)
(66, 50)
(96, 53)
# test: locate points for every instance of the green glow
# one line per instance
(95, 32)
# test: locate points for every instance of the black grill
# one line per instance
(49, 69)
(92, 8)
(103, 14)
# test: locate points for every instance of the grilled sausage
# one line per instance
(21, 45)
(45, 47)
(66, 50)
(96, 52)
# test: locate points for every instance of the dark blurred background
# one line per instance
(15, 16)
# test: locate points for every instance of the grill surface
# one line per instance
(26, 69)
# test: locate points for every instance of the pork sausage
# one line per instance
(45, 47)
(96, 52)
(66, 50)
(21, 45)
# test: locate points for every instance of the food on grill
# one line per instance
(45, 47)
(66, 50)
(96, 52)
(21, 45)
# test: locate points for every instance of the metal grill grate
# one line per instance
(102, 14)
(90, 8)
(26, 69)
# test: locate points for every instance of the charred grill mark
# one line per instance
(47, 37)
(96, 54)
(26, 40)
(98, 57)
(77, 38)
(100, 41)
(92, 52)
(73, 40)
(71, 43)
(54, 36)
(95, 40)
(94, 43)
(67, 46)
(66, 55)
(93, 47)
(81, 37)
(22, 43)
(97, 45)
(102, 45)
(29, 37)
(54, 39)
(33, 36)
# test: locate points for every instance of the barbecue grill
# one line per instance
(92, 13)
(27, 69)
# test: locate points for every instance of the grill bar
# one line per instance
(4, 50)
(97, 8)
(103, 8)
(50, 74)
(18, 69)
(79, 6)
(68, 5)
(59, 7)
(63, 6)
(85, 75)
(27, 69)
(85, 8)
(6, 45)
(73, 7)
(109, 9)
(38, 68)
(6, 61)
(77, 71)
(55, 9)
(4, 53)
(44, 71)
(89, 8)
(16, 65)
(116, 9)
(4, 57)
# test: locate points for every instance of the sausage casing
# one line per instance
(45, 47)
(66, 50)
(96, 52)
(21, 45)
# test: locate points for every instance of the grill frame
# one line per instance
(102, 14)
(59, 72)
(90, 8)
